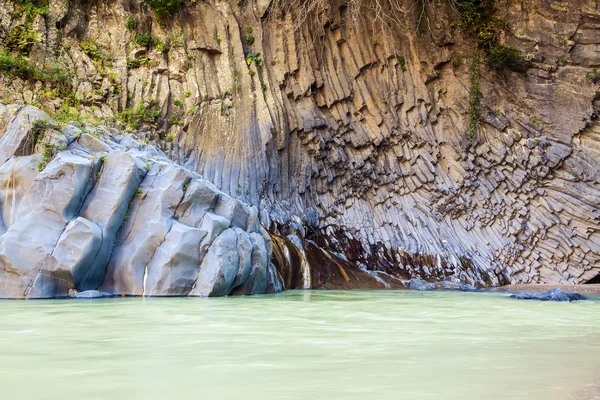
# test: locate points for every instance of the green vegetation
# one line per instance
(251, 72)
(402, 62)
(138, 62)
(145, 39)
(162, 47)
(218, 39)
(47, 155)
(175, 121)
(254, 58)
(177, 39)
(249, 36)
(188, 94)
(178, 103)
(141, 113)
(164, 8)
(535, 121)
(594, 75)
(66, 113)
(131, 24)
(30, 8)
(92, 50)
(500, 56)
(20, 67)
(457, 61)
(138, 192)
(21, 38)
(478, 21)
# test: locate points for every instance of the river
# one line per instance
(301, 345)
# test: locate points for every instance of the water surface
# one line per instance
(301, 345)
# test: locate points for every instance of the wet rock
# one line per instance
(90, 294)
(421, 285)
(550, 295)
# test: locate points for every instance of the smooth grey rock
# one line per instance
(150, 220)
(92, 144)
(257, 280)
(219, 267)
(550, 295)
(71, 260)
(274, 281)
(91, 294)
(16, 177)
(234, 210)
(53, 199)
(245, 246)
(176, 263)
(198, 200)
(107, 206)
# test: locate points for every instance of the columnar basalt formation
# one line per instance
(87, 208)
(359, 128)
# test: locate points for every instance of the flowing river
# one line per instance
(301, 345)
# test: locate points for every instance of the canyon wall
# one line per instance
(357, 129)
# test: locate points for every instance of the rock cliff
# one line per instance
(356, 133)
(85, 207)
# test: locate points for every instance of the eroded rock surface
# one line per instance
(359, 129)
(104, 215)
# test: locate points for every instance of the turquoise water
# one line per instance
(301, 345)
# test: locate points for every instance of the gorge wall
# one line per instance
(354, 132)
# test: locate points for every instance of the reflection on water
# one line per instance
(301, 345)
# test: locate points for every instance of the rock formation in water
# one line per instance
(85, 207)
(389, 140)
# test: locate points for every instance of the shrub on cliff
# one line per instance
(164, 8)
(21, 67)
(501, 56)
(134, 117)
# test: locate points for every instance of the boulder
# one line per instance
(55, 196)
(71, 260)
(22, 133)
(550, 295)
(176, 263)
(90, 294)
(257, 279)
(220, 267)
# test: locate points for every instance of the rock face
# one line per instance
(358, 127)
(100, 212)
